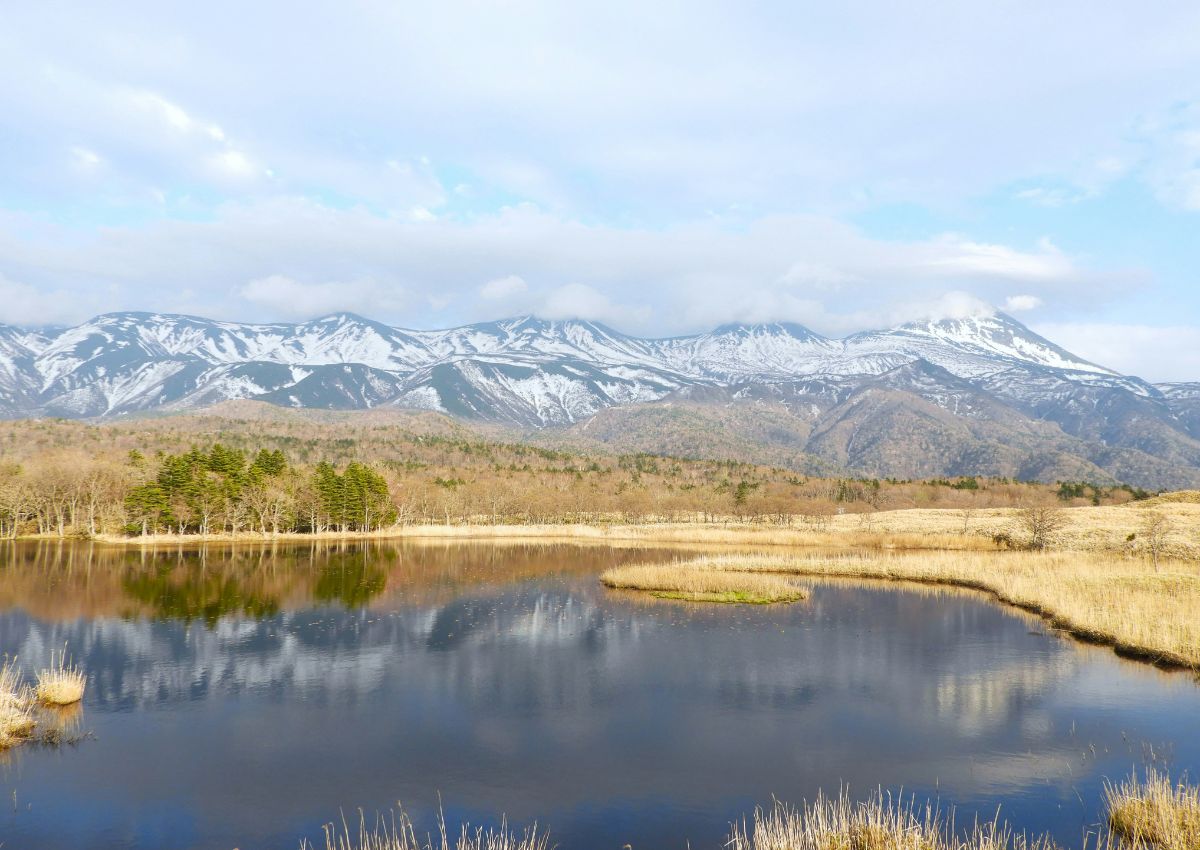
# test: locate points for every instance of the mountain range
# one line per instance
(981, 395)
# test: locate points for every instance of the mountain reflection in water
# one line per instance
(239, 698)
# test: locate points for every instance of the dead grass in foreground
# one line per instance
(1148, 814)
(1151, 814)
(1154, 812)
(396, 832)
(880, 823)
(667, 581)
(1122, 602)
(16, 712)
(27, 715)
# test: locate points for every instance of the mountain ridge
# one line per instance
(941, 394)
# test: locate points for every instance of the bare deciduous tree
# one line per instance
(1040, 522)
(1154, 528)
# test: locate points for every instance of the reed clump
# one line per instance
(16, 711)
(47, 715)
(879, 823)
(1154, 813)
(61, 683)
(1143, 612)
(396, 832)
(683, 581)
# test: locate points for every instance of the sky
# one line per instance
(661, 167)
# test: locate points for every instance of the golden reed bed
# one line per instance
(701, 585)
(1143, 612)
(1140, 814)
(1118, 530)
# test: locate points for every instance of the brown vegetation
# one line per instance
(1140, 611)
(879, 823)
(1154, 812)
(23, 709)
(396, 832)
(60, 478)
(673, 581)
(16, 715)
(61, 683)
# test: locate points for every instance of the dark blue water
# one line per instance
(242, 701)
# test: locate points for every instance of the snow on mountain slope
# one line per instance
(18, 349)
(531, 336)
(525, 369)
(739, 351)
(970, 347)
(532, 392)
(936, 395)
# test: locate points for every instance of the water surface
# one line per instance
(240, 699)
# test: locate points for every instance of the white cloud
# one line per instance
(579, 301)
(954, 254)
(1153, 352)
(31, 307)
(503, 288)
(1021, 303)
(285, 297)
(801, 268)
(1171, 155)
(234, 164)
(84, 158)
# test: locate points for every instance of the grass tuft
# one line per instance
(879, 823)
(61, 683)
(1123, 602)
(682, 580)
(16, 712)
(396, 832)
(1154, 813)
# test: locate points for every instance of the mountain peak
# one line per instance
(998, 335)
(791, 329)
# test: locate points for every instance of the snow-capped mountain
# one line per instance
(535, 373)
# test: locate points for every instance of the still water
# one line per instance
(242, 699)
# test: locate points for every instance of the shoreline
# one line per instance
(1117, 531)
(689, 534)
(1077, 599)
(930, 556)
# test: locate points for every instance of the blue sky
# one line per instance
(663, 167)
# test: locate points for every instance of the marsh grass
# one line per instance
(1116, 529)
(28, 714)
(679, 581)
(16, 712)
(396, 832)
(879, 823)
(1121, 602)
(61, 683)
(1154, 812)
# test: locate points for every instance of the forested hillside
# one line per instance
(264, 470)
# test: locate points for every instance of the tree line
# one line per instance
(217, 490)
(161, 476)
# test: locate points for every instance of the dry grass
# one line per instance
(54, 708)
(16, 713)
(727, 533)
(1155, 813)
(879, 823)
(1085, 529)
(61, 683)
(696, 584)
(1152, 814)
(1143, 613)
(396, 832)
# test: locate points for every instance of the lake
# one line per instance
(242, 698)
